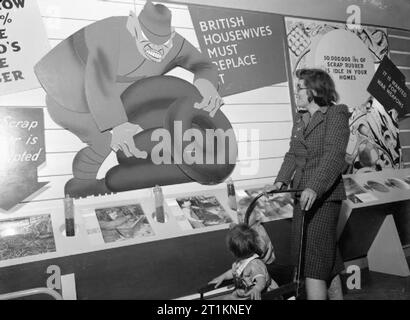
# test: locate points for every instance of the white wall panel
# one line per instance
(96, 10)
(30, 98)
(60, 163)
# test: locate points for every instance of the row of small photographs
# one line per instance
(130, 221)
(27, 236)
(388, 185)
(34, 235)
(359, 194)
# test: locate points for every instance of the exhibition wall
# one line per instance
(265, 43)
(261, 148)
(390, 13)
(266, 129)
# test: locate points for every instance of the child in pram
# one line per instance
(249, 272)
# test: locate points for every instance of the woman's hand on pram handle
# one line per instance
(307, 199)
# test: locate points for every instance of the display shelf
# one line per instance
(381, 223)
(85, 241)
(173, 264)
(392, 194)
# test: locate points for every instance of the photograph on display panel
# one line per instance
(351, 57)
(407, 180)
(373, 185)
(203, 211)
(274, 207)
(355, 193)
(28, 236)
(396, 183)
(124, 222)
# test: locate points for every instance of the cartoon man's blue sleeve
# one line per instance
(100, 75)
(201, 66)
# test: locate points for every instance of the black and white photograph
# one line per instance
(397, 183)
(353, 189)
(123, 223)
(203, 211)
(28, 236)
(268, 208)
(372, 185)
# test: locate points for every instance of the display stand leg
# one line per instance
(386, 253)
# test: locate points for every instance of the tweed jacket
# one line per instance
(88, 71)
(316, 157)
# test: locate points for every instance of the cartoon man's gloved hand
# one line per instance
(123, 139)
(211, 101)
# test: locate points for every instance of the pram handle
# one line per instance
(248, 213)
(255, 200)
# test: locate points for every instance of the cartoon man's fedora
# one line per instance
(155, 21)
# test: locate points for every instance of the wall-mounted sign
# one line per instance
(22, 151)
(388, 86)
(23, 41)
(348, 60)
(350, 56)
(246, 47)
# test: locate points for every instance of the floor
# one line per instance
(379, 286)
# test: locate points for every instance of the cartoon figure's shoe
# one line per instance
(79, 188)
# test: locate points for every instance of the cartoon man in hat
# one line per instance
(85, 75)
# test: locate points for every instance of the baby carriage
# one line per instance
(290, 286)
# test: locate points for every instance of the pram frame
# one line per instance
(297, 284)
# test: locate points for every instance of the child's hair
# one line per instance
(242, 241)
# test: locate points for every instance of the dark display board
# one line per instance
(388, 86)
(247, 47)
(164, 269)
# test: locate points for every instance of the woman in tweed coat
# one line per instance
(315, 163)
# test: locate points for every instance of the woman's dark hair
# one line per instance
(242, 241)
(321, 82)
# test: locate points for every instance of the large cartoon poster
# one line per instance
(112, 92)
(351, 57)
